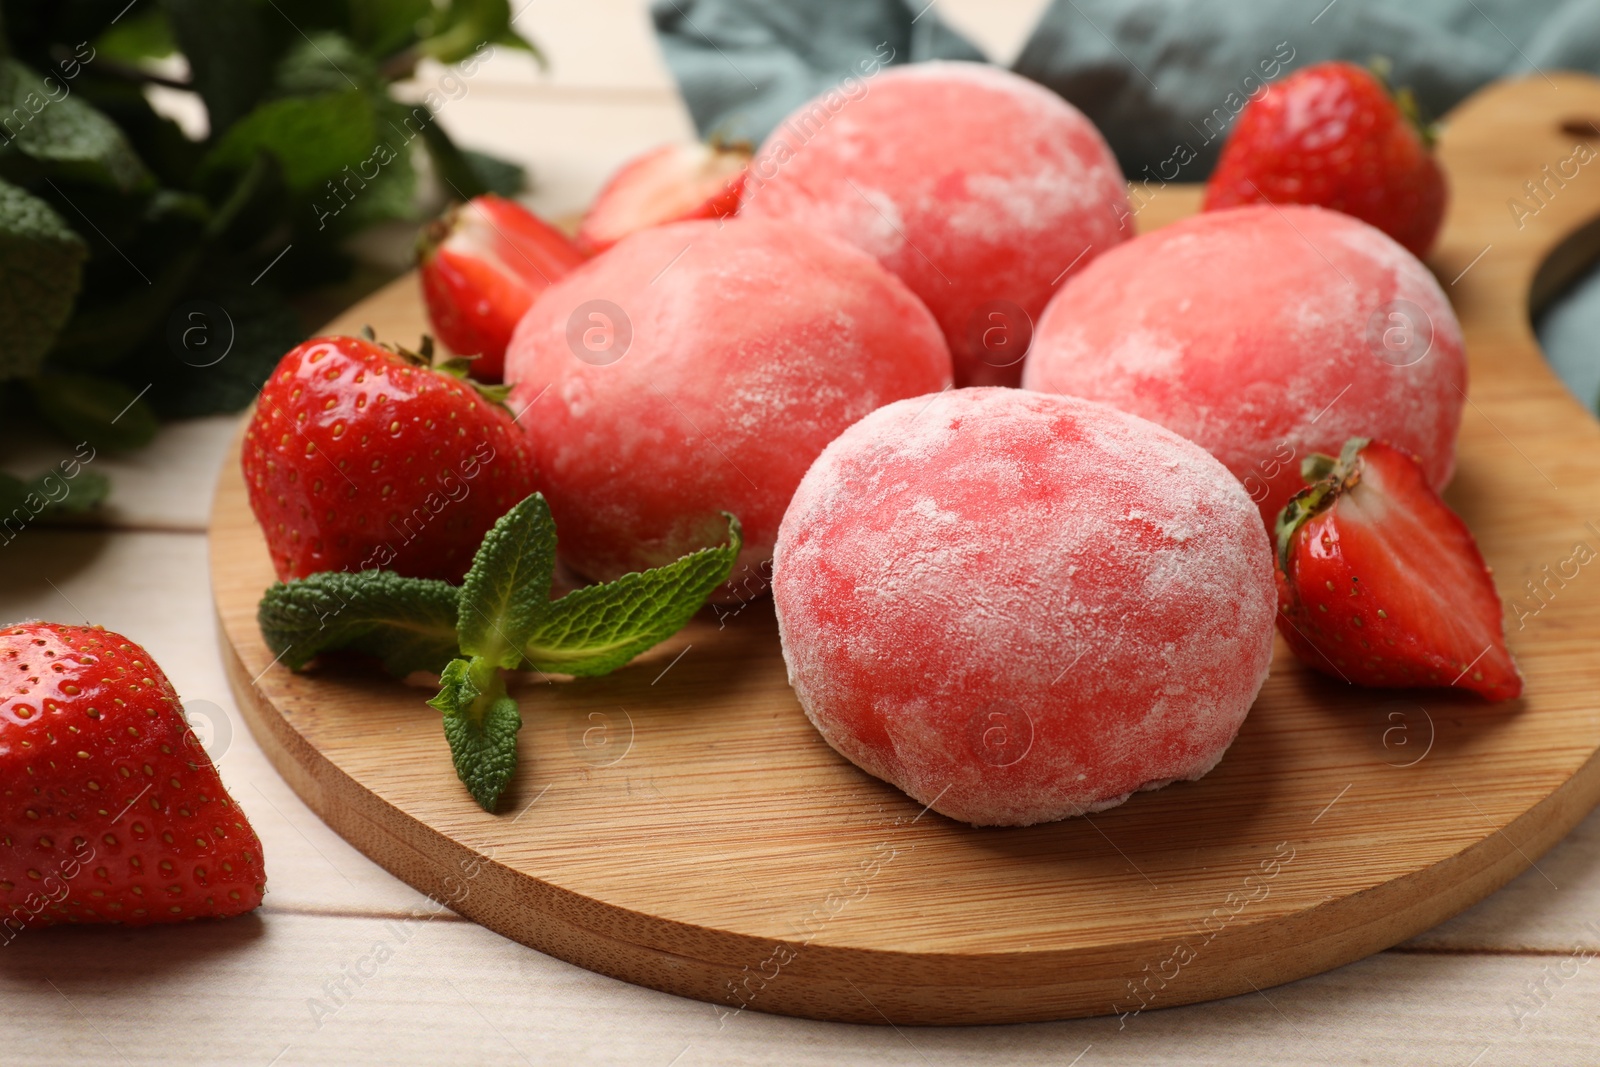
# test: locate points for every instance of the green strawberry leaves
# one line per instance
(500, 618)
(1325, 477)
(458, 367)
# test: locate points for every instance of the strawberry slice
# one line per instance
(482, 264)
(1381, 584)
(110, 811)
(666, 184)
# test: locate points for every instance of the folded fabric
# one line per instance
(1153, 72)
(745, 64)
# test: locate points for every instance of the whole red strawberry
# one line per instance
(482, 264)
(667, 184)
(1382, 584)
(362, 457)
(1332, 136)
(111, 811)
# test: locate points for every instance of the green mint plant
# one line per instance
(146, 273)
(500, 618)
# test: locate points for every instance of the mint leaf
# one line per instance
(469, 174)
(452, 164)
(512, 39)
(496, 175)
(501, 617)
(391, 195)
(596, 629)
(84, 407)
(409, 623)
(109, 322)
(480, 723)
(142, 34)
(51, 494)
(507, 589)
(51, 132)
(383, 27)
(41, 269)
(84, 494)
(323, 62)
(464, 27)
(230, 48)
(313, 137)
(263, 327)
(13, 494)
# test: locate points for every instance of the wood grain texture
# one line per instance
(680, 825)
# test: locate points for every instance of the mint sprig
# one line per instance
(500, 618)
(506, 591)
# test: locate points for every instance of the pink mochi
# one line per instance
(698, 368)
(1019, 607)
(980, 189)
(1264, 334)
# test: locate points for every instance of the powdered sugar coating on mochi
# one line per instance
(1251, 332)
(754, 343)
(1019, 607)
(968, 182)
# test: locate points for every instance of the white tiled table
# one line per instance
(1508, 982)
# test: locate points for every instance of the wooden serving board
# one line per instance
(680, 825)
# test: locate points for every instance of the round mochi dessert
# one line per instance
(980, 189)
(1019, 607)
(698, 368)
(1264, 334)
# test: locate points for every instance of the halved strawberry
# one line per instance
(666, 184)
(482, 264)
(1382, 584)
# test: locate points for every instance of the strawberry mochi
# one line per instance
(1264, 334)
(1020, 607)
(699, 367)
(980, 189)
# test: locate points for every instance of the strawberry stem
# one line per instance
(1382, 68)
(425, 355)
(1326, 478)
